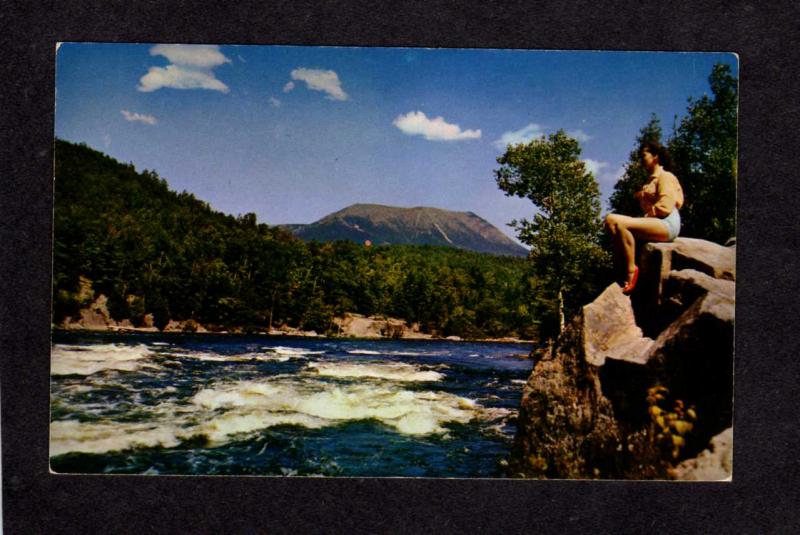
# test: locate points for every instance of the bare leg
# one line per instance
(625, 230)
(615, 229)
(628, 243)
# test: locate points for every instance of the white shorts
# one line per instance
(673, 224)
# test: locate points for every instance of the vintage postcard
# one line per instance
(393, 262)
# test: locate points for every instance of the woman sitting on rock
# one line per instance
(660, 199)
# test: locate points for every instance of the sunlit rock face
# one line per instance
(587, 408)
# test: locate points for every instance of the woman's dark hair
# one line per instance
(657, 149)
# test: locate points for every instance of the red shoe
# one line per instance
(628, 288)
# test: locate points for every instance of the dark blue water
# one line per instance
(227, 404)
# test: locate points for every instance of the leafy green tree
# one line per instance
(704, 153)
(564, 233)
(622, 200)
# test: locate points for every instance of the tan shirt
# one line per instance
(661, 194)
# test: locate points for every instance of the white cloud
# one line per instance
(612, 177)
(138, 117)
(198, 56)
(106, 140)
(523, 135)
(275, 102)
(594, 166)
(437, 129)
(579, 135)
(178, 77)
(191, 67)
(620, 172)
(319, 80)
(534, 131)
(605, 174)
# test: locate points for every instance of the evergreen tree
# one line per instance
(564, 234)
(622, 200)
(704, 152)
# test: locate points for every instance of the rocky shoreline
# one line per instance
(96, 318)
(639, 387)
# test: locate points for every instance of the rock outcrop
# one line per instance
(96, 317)
(93, 317)
(186, 326)
(359, 326)
(588, 407)
(713, 464)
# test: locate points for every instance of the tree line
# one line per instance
(153, 251)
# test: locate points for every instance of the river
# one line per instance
(281, 406)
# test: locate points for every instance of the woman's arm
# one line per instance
(644, 202)
(667, 194)
(645, 198)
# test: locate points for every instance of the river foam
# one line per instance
(232, 410)
(88, 360)
(314, 403)
(193, 397)
(395, 371)
(70, 436)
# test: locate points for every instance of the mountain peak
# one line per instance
(382, 224)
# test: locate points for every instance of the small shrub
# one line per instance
(671, 421)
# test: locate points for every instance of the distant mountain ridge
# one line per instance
(420, 225)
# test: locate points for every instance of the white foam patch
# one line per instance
(221, 429)
(251, 405)
(363, 352)
(76, 389)
(87, 360)
(395, 371)
(243, 357)
(90, 437)
(232, 410)
(239, 395)
(199, 355)
(417, 353)
(292, 351)
(235, 410)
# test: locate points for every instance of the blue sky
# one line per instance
(295, 133)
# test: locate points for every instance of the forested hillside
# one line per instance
(154, 251)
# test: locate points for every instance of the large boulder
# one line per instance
(566, 428)
(359, 326)
(659, 260)
(707, 257)
(586, 409)
(693, 358)
(609, 330)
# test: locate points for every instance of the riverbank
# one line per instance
(96, 318)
